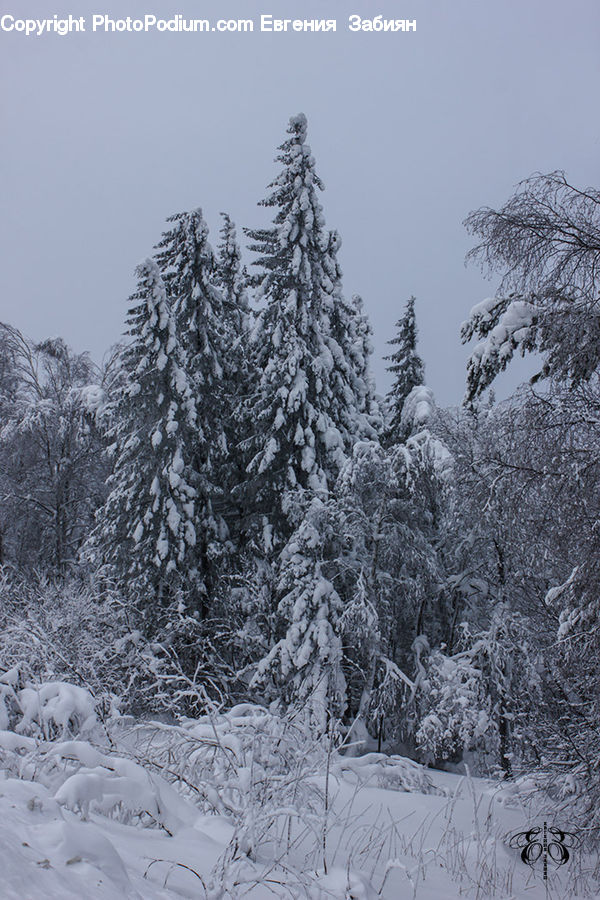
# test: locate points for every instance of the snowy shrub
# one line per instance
(9, 703)
(470, 700)
(52, 631)
(85, 780)
(56, 709)
(390, 712)
(119, 788)
(188, 663)
(50, 628)
(458, 710)
(257, 774)
(395, 773)
(47, 711)
(247, 763)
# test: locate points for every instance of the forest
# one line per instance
(226, 515)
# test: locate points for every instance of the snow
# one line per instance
(505, 325)
(16, 742)
(268, 455)
(56, 705)
(392, 829)
(93, 397)
(177, 464)
(308, 458)
(243, 803)
(173, 518)
(424, 449)
(418, 408)
(162, 547)
(483, 310)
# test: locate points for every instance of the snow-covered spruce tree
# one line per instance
(352, 348)
(231, 276)
(189, 268)
(301, 426)
(387, 574)
(424, 468)
(304, 668)
(371, 418)
(408, 370)
(232, 279)
(365, 488)
(146, 531)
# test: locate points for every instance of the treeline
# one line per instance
(246, 517)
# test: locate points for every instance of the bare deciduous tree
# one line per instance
(52, 467)
(545, 241)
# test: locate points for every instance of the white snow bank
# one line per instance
(243, 803)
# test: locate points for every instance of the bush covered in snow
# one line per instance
(52, 629)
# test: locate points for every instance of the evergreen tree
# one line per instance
(233, 280)
(407, 368)
(189, 269)
(147, 528)
(387, 576)
(352, 348)
(370, 422)
(301, 428)
(305, 666)
(231, 276)
(190, 272)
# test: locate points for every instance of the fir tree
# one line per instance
(231, 276)
(352, 348)
(190, 271)
(370, 421)
(301, 427)
(189, 268)
(407, 368)
(233, 280)
(305, 666)
(146, 529)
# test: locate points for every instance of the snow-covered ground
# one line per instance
(242, 804)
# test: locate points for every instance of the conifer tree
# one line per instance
(231, 276)
(352, 349)
(146, 530)
(407, 368)
(305, 665)
(190, 272)
(189, 268)
(232, 279)
(370, 422)
(300, 428)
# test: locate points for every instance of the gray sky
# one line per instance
(105, 135)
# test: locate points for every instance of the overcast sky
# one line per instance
(105, 135)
